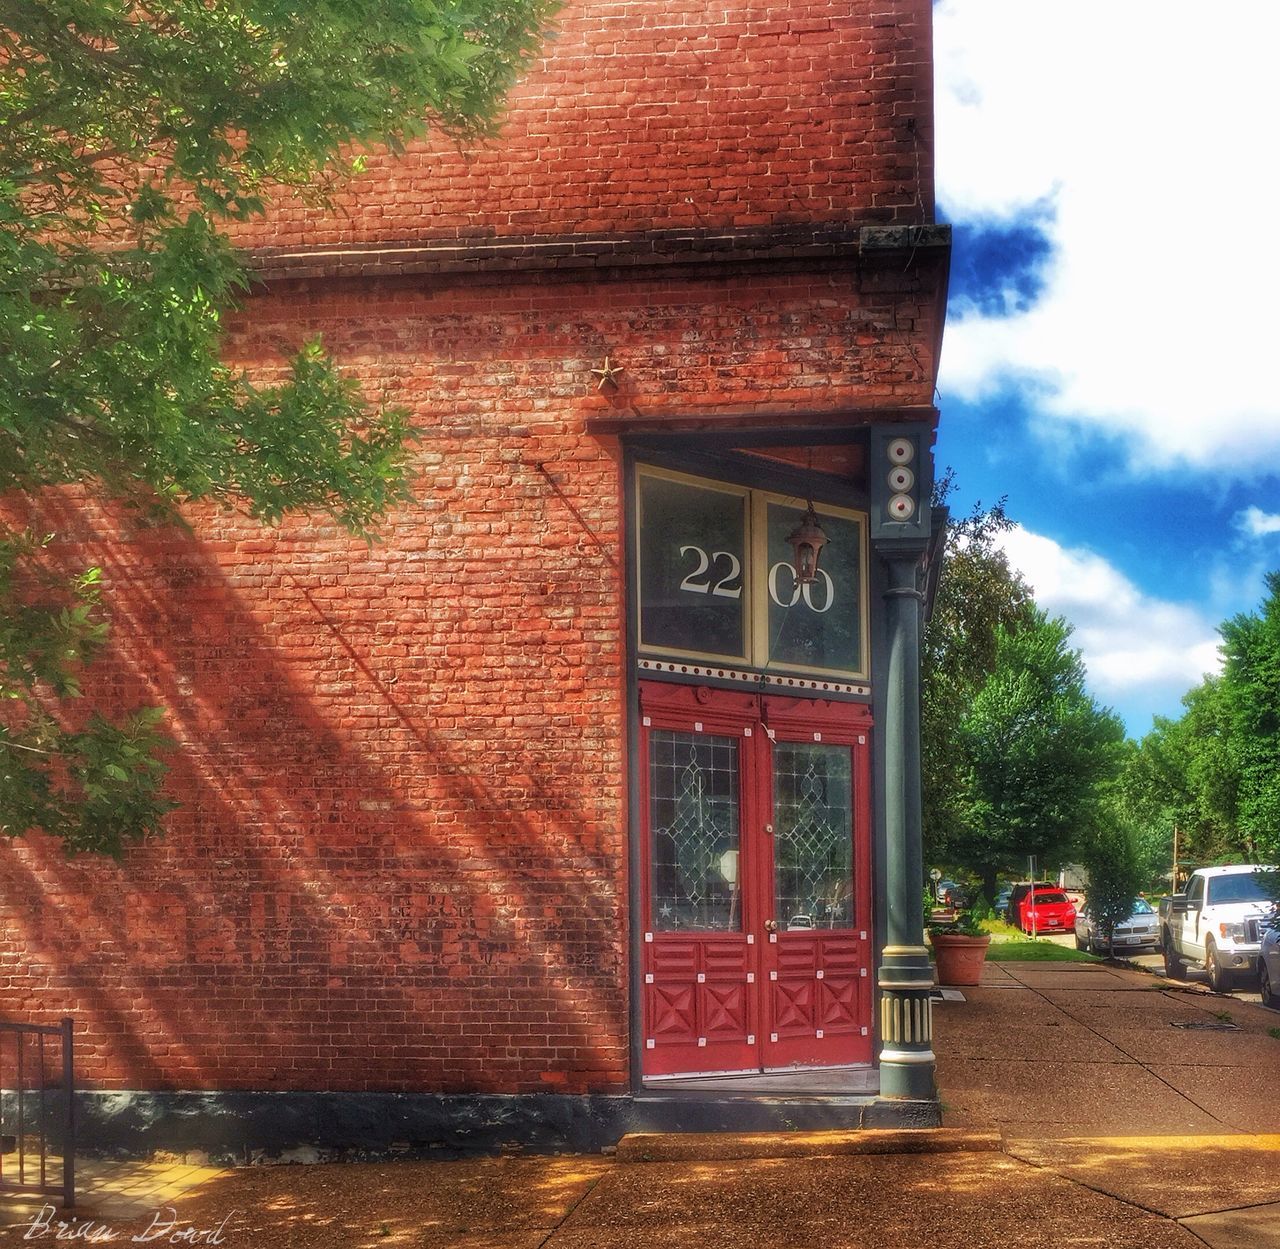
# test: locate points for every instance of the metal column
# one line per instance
(906, 976)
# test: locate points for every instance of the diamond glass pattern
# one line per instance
(693, 812)
(813, 837)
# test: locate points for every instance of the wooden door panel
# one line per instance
(819, 1001)
(699, 1005)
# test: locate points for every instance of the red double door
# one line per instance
(756, 889)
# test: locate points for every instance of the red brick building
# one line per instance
(572, 788)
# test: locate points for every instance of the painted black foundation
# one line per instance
(237, 1128)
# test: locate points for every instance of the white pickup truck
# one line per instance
(1215, 923)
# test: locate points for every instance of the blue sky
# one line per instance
(1107, 363)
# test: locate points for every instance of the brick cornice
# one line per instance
(849, 243)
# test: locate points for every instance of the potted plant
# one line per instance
(960, 947)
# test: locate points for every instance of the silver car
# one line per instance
(1140, 930)
(1269, 965)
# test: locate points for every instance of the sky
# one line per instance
(1109, 168)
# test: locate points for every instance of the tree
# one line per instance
(131, 138)
(1214, 773)
(1037, 749)
(978, 595)
(1182, 776)
(1251, 698)
(1111, 852)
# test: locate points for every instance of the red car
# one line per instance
(1046, 910)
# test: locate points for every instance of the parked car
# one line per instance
(1000, 903)
(1269, 965)
(1045, 909)
(1012, 904)
(1017, 896)
(1140, 930)
(1216, 923)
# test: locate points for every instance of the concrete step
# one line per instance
(726, 1146)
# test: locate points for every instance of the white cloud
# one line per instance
(1257, 523)
(1138, 649)
(1147, 123)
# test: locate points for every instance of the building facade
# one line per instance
(576, 788)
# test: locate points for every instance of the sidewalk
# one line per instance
(1118, 1131)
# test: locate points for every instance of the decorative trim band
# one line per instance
(715, 673)
(907, 1058)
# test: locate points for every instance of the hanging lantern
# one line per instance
(807, 541)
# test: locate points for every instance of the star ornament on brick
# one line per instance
(608, 375)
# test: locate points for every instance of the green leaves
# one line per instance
(1214, 773)
(1251, 699)
(1016, 753)
(978, 594)
(93, 781)
(1039, 747)
(131, 137)
(1112, 854)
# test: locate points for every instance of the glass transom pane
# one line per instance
(694, 817)
(816, 626)
(693, 558)
(813, 835)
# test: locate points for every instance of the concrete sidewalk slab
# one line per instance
(1120, 1067)
(1138, 1008)
(1086, 977)
(948, 1201)
(1248, 1016)
(1174, 1176)
(1066, 1042)
(963, 1200)
(119, 1190)
(1056, 1099)
(1086, 998)
(1174, 1046)
(996, 1003)
(1247, 1099)
(1258, 1228)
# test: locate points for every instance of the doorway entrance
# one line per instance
(756, 890)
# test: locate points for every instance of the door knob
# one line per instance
(771, 925)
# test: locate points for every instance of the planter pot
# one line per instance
(959, 958)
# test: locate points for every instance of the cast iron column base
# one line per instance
(906, 1023)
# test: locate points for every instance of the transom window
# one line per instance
(717, 581)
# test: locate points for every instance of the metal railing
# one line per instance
(30, 1172)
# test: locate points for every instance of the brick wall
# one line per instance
(672, 114)
(400, 857)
